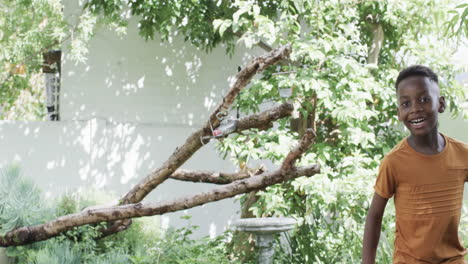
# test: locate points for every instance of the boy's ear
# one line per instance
(442, 104)
(398, 113)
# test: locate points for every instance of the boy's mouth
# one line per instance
(417, 123)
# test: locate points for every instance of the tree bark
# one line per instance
(262, 121)
(377, 41)
(209, 176)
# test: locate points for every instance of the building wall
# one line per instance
(130, 80)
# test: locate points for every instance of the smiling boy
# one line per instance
(425, 174)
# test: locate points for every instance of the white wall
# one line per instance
(131, 80)
(454, 127)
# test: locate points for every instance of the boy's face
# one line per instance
(419, 103)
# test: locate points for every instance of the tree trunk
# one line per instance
(377, 40)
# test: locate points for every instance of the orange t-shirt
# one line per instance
(428, 192)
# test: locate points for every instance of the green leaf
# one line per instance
(462, 6)
(217, 23)
(238, 13)
(225, 25)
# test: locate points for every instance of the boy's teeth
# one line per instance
(417, 120)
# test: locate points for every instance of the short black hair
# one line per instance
(416, 70)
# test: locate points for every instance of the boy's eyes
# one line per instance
(425, 99)
(421, 100)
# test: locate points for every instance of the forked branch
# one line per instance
(193, 143)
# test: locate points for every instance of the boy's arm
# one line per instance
(372, 229)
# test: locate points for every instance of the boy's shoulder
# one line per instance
(459, 151)
(457, 143)
(400, 150)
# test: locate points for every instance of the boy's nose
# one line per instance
(416, 107)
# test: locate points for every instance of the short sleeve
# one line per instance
(385, 185)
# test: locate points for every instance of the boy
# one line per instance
(425, 173)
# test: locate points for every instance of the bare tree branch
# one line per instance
(211, 176)
(261, 121)
(264, 120)
(193, 143)
(295, 153)
(114, 227)
(30, 234)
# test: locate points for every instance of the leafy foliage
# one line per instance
(135, 245)
(28, 28)
(193, 19)
(457, 25)
(21, 202)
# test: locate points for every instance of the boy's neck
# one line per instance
(430, 144)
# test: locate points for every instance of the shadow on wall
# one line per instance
(129, 80)
(95, 153)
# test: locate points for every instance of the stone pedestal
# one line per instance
(265, 229)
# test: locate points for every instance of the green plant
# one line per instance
(21, 202)
(57, 252)
(176, 247)
(30, 28)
